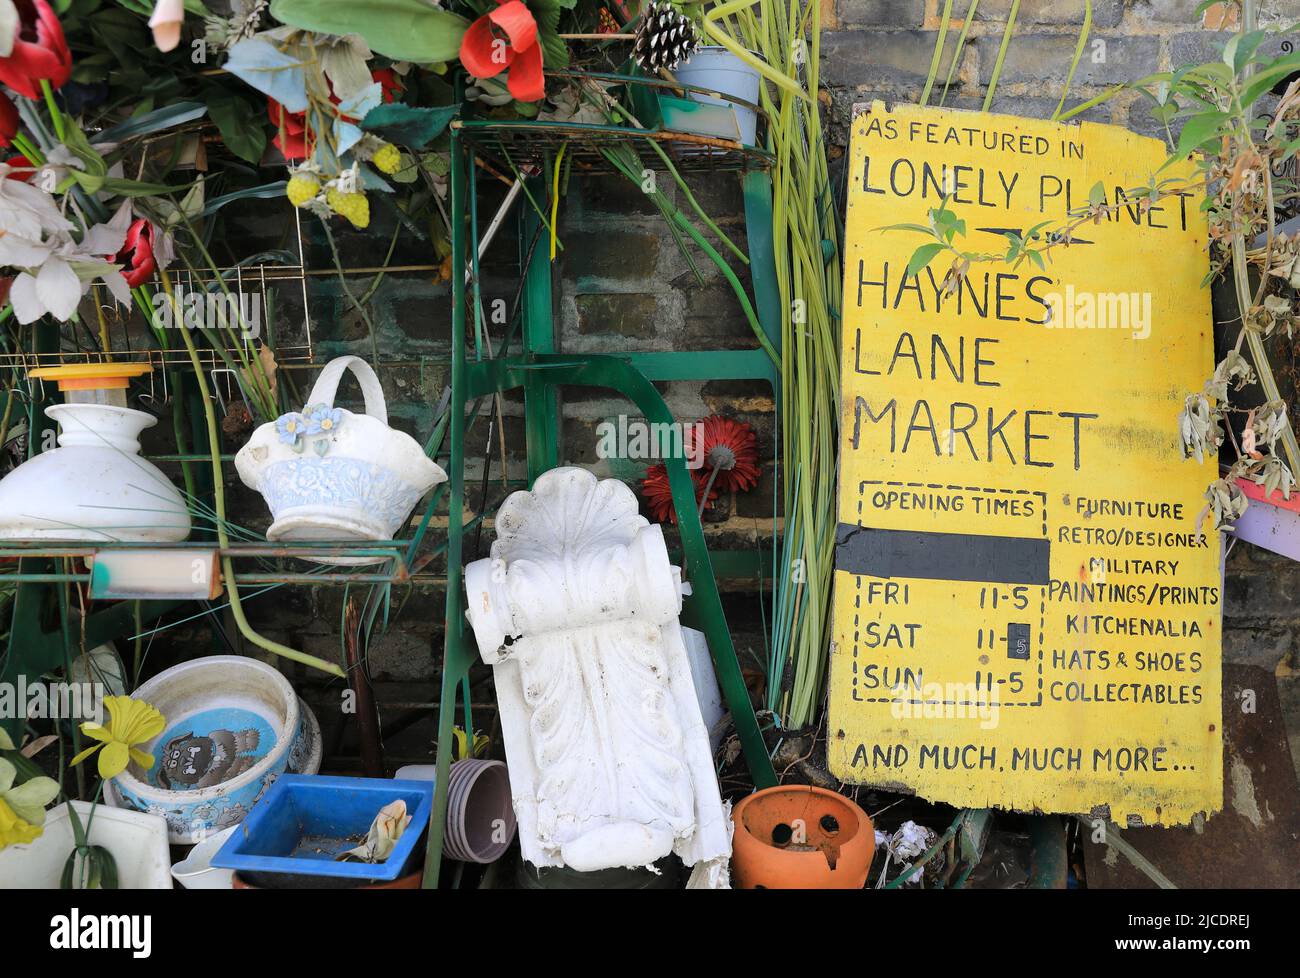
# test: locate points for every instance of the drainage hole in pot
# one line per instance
(830, 824)
(782, 834)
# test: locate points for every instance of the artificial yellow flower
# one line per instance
(13, 830)
(353, 206)
(131, 722)
(22, 809)
(301, 188)
(387, 159)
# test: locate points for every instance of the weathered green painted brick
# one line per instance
(617, 313)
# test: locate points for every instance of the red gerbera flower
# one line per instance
(40, 52)
(506, 38)
(658, 494)
(728, 446)
(136, 257)
(8, 120)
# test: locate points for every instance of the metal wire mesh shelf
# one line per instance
(526, 144)
(246, 303)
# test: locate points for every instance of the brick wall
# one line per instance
(621, 283)
(882, 49)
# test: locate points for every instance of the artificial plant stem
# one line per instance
(223, 538)
(4, 419)
(146, 309)
(719, 34)
(730, 276)
(55, 114)
(28, 149)
(343, 282)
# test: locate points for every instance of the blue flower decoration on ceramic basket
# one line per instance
(290, 427)
(321, 419)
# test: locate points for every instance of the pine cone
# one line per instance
(663, 38)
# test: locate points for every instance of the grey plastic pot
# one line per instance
(480, 814)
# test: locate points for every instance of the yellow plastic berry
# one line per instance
(302, 188)
(387, 159)
(353, 206)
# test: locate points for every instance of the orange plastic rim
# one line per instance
(92, 376)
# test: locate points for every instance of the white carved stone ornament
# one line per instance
(577, 611)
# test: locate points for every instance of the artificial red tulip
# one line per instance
(291, 131)
(40, 52)
(136, 256)
(506, 38)
(389, 81)
(8, 120)
(21, 169)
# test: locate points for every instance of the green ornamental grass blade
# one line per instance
(961, 46)
(1002, 54)
(938, 52)
(1078, 54)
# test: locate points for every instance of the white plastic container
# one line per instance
(196, 872)
(138, 843)
(717, 69)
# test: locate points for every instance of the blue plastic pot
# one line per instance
(719, 70)
(303, 823)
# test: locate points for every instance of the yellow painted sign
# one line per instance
(1024, 615)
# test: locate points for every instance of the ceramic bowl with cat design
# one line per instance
(234, 725)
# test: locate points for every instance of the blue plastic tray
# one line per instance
(304, 821)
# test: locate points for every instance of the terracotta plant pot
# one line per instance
(797, 837)
(410, 882)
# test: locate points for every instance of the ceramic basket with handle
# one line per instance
(329, 474)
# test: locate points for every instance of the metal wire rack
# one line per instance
(525, 145)
(246, 303)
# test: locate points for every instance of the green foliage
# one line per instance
(239, 123)
(404, 30)
(408, 124)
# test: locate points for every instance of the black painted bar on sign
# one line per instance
(941, 556)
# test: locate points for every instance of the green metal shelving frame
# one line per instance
(539, 370)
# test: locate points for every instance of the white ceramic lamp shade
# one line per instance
(95, 486)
